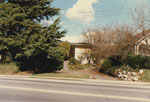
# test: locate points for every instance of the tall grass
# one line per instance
(146, 75)
(8, 68)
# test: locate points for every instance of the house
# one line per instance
(81, 52)
(142, 45)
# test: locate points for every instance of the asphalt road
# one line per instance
(24, 89)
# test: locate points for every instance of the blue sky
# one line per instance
(79, 15)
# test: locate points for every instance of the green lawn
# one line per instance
(63, 75)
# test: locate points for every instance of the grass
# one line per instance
(78, 66)
(8, 68)
(63, 75)
(146, 75)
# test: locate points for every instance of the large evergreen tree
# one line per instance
(25, 40)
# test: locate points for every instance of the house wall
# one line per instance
(141, 49)
(82, 55)
(144, 41)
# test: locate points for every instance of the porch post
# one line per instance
(137, 49)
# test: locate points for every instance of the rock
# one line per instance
(135, 79)
(120, 73)
(129, 78)
(124, 72)
(141, 71)
(129, 73)
(125, 77)
(133, 73)
(119, 76)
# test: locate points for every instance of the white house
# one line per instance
(142, 45)
(81, 52)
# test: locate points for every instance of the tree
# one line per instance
(123, 40)
(142, 24)
(25, 40)
(100, 41)
(109, 41)
(65, 48)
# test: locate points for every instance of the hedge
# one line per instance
(133, 61)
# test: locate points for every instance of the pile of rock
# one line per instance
(131, 76)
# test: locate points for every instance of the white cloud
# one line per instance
(72, 38)
(82, 10)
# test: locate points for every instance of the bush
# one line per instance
(127, 62)
(113, 61)
(8, 68)
(134, 61)
(128, 68)
(146, 75)
(73, 61)
(111, 64)
(78, 67)
(109, 70)
(42, 62)
(138, 62)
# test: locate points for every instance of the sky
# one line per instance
(79, 15)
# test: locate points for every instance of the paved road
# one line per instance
(24, 89)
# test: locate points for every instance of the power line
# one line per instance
(108, 14)
(107, 10)
(125, 1)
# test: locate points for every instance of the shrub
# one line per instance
(42, 62)
(134, 61)
(138, 62)
(73, 61)
(146, 75)
(78, 67)
(108, 70)
(8, 68)
(113, 61)
(128, 68)
(126, 62)
(111, 64)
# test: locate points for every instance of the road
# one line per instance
(25, 89)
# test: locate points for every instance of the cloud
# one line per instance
(72, 38)
(82, 10)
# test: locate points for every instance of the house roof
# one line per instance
(141, 36)
(80, 44)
